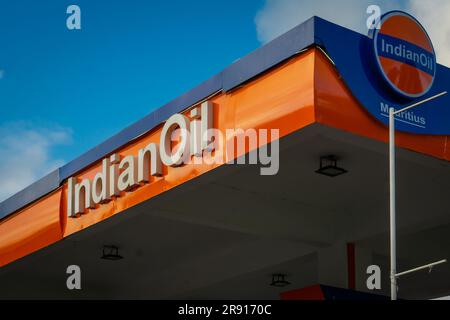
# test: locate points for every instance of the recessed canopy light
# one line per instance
(328, 167)
(111, 253)
(278, 280)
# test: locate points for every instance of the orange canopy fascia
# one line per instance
(303, 90)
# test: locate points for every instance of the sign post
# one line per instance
(392, 212)
(392, 194)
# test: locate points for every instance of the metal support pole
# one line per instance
(430, 266)
(392, 213)
(393, 235)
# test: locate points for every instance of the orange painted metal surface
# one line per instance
(405, 77)
(31, 229)
(281, 99)
(336, 107)
(297, 93)
(403, 27)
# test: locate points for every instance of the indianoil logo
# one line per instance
(405, 54)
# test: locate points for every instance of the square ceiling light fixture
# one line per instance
(111, 253)
(279, 280)
(328, 166)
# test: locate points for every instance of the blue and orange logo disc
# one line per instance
(405, 54)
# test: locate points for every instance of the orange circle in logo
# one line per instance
(405, 54)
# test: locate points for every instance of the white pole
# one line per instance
(430, 265)
(421, 102)
(392, 213)
(393, 235)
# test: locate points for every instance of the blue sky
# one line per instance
(82, 86)
(129, 58)
(62, 92)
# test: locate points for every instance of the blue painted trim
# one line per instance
(271, 54)
(408, 46)
(142, 126)
(351, 53)
(30, 194)
(239, 72)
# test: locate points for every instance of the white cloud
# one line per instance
(26, 154)
(434, 17)
(279, 16)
